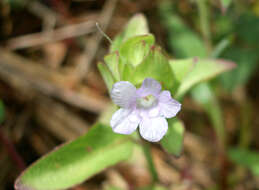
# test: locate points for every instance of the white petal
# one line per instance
(119, 115)
(154, 112)
(153, 129)
(123, 94)
(169, 107)
(149, 87)
(125, 121)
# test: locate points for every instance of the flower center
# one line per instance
(146, 102)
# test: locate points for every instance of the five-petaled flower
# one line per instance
(146, 107)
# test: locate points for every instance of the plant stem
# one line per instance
(220, 47)
(151, 166)
(204, 21)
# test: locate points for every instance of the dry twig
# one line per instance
(92, 44)
(30, 77)
(63, 123)
(44, 37)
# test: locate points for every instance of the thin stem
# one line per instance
(147, 152)
(103, 33)
(151, 166)
(204, 21)
(220, 47)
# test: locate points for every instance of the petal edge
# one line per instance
(149, 86)
(123, 94)
(169, 107)
(153, 129)
(123, 123)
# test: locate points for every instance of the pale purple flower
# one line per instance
(146, 107)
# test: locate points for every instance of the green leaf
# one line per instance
(203, 70)
(181, 40)
(204, 95)
(182, 67)
(136, 26)
(173, 140)
(2, 111)
(77, 161)
(246, 158)
(224, 25)
(248, 23)
(107, 76)
(135, 49)
(247, 62)
(244, 52)
(156, 66)
(112, 61)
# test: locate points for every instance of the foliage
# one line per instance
(243, 50)
(235, 34)
(173, 140)
(83, 158)
(133, 57)
(246, 158)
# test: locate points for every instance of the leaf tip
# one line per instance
(229, 64)
(18, 185)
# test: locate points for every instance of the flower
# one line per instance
(146, 107)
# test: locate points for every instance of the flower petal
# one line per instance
(149, 87)
(169, 107)
(153, 129)
(125, 121)
(154, 112)
(123, 94)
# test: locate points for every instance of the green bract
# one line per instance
(134, 57)
(136, 26)
(135, 49)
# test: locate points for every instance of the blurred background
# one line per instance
(51, 91)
